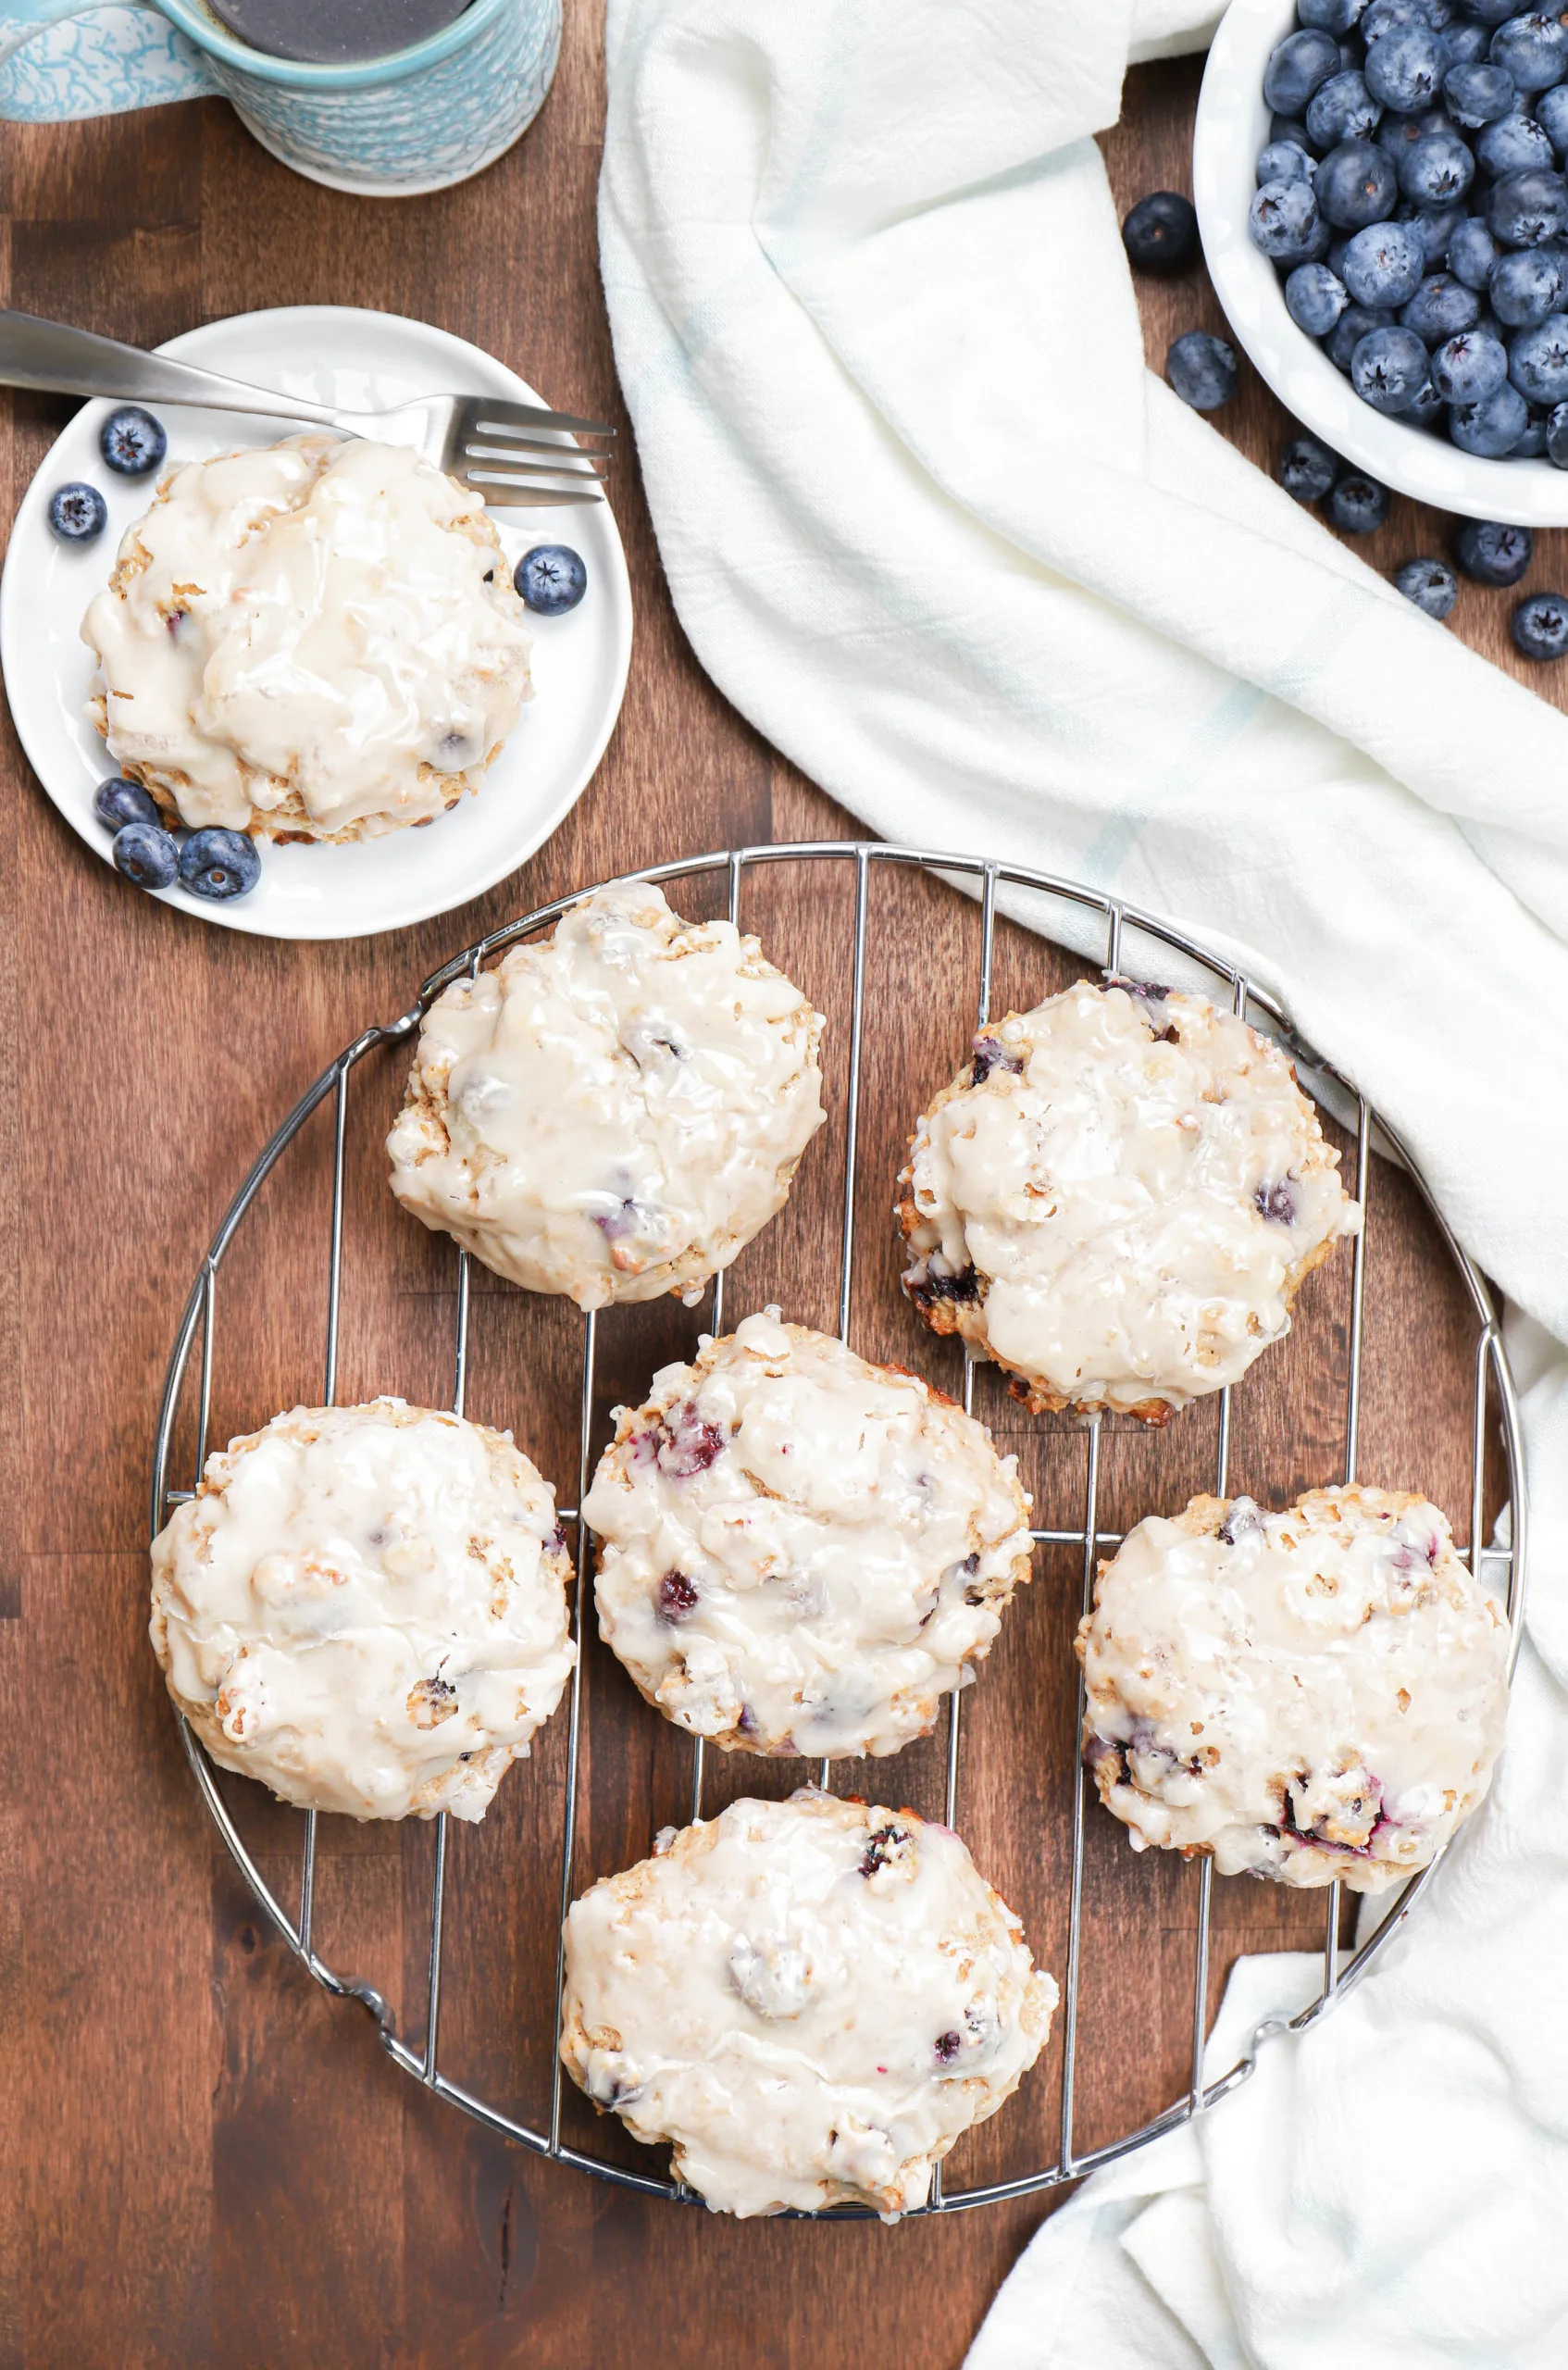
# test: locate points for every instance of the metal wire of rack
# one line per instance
(1490, 1370)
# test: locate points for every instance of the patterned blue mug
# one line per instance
(388, 126)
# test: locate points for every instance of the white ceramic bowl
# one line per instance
(1233, 120)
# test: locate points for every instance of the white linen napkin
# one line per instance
(934, 529)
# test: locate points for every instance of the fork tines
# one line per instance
(515, 469)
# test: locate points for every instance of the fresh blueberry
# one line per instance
(1552, 113)
(1492, 428)
(1430, 583)
(1356, 185)
(1436, 170)
(1533, 49)
(1353, 325)
(78, 513)
(1343, 109)
(1556, 436)
(1389, 369)
(1538, 361)
(1428, 410)
(1283, 161)
(1330, 15)
(1282, 220)
(148, 855)
(1202, 369)
(1398, 132)
(1527, 284)
(1358, 503)
(1404, 69)
(1315, 298)
(1515, 143)
(551, 579)
(1440, 307)
(1383, 263)
(1470, 366)
(1433, 227)
(1540, 626)
(1478, 95)
(219, 863)
(117, 802)
(1161, 233)
(1288, 127)
(1532, 444)
(1307, 469)
(1463, 45)
(1491, 553)
(1491, 12)
(1472, 252)
(132, 442)
(1524, 209)
(1300, 65)
(1392, 17)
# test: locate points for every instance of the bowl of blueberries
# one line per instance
(1384, 210)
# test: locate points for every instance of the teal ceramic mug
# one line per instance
(385, 126)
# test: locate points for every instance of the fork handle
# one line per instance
(35, 353)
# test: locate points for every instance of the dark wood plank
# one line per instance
(205, 2157)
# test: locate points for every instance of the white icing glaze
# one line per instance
(812, 1999)
(366, 1609)
(314, 617)
(613, 1113)
(1321, 1695)
(1108, 1179)
(801, 1553)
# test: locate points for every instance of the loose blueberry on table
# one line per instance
(1202, 369)
(550, 578)
(1411, 192)
(1430, 583)
(1307, 469)
(1540, 626)
(1491, 553)
(1161, 233)
(1358, 505)
(77, 514)
(132, 442)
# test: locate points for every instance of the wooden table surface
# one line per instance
(202, 2158)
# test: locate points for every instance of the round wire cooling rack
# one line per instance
(1495, 1421)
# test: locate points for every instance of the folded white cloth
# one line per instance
(933, 528)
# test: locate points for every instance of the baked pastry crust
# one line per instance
(1117, 1200)
(812, 1999)
(611, 1113)
(366, 1609)
(800, 1552)
(1316, 1695)
(292, 637)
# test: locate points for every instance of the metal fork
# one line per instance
(519, 457)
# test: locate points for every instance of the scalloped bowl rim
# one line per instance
(1231, 127)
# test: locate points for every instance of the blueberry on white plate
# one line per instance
(78, 514)
(216, 863)
(550, 578)
(132, 442)
(117, 802)
(147, 854)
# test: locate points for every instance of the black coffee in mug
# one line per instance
(334, 32)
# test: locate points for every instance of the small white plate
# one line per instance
(1233, 120)
(363, 361)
